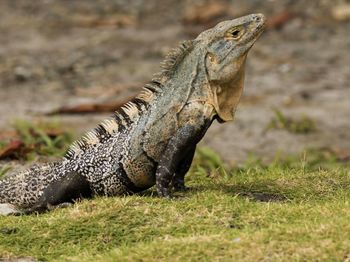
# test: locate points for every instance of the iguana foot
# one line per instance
(8, 209)
(163, 192)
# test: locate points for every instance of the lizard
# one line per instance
(150, 140)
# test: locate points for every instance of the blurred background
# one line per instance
(77, 60)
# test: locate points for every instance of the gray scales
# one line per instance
(151, 140)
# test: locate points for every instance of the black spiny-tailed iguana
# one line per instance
(151, 140)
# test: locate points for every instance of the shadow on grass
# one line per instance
(251, 192)
(233, 190)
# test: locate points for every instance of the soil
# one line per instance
(60, 53)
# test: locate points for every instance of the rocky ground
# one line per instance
(67, 53)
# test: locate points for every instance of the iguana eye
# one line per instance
(235, 33)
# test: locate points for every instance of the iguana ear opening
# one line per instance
(227, 97)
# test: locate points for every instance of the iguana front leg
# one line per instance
(186, 137)
(178, 181)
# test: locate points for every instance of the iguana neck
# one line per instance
(184, 85)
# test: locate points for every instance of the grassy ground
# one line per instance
(298, 210)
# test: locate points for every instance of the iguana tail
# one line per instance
(22, 190)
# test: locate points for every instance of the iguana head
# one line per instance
(226, 46)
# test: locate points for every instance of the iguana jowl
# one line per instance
(152, 138)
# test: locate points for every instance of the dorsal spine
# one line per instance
(125, 115)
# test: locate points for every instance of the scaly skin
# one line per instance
(151, 140)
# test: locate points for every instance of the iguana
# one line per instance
(150, 140)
